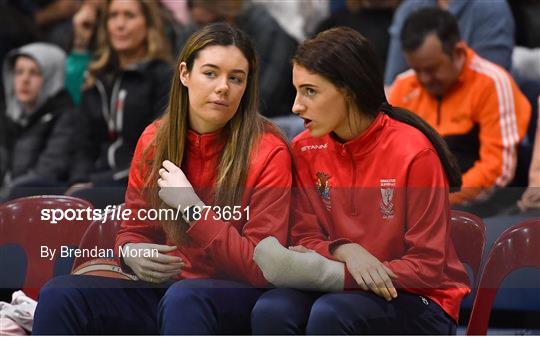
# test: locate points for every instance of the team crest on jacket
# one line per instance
(323, 188)
(387, 198)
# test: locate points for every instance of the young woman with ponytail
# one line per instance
(211, 149)
(371, 212)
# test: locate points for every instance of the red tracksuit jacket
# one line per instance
(219, 249)
(385, 190)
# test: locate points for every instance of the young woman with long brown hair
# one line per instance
(372, 183)
(211, 148)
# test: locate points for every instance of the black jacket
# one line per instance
(112, 115)
(40, 149)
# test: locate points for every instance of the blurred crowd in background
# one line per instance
(81, 79)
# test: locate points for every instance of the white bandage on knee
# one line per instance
(286, 268)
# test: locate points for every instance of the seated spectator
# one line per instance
(274, 46)
(36, 126)
(84, 42)
(126, 89)
(474, 104)
(486, 26)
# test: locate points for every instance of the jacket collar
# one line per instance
(206, 145)
(361, 144)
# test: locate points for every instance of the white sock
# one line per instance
(289, 269)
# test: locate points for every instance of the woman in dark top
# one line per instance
(126, 89)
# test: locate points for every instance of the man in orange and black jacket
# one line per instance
(474, 104)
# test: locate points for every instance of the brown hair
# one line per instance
(242, 131)
(346, 58)
(157, 45)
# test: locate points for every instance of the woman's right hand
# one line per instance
(367, 270)
(155, 269)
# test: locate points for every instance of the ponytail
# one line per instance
(448, 160)
(346, 58)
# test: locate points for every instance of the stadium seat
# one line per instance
(517, 247)
(25, 229)
(469, 238)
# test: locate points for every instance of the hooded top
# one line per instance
(51, 60)
(36, 144)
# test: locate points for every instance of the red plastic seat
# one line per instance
(100, 234)
(469, 238)
(21, 224)
(517, 247)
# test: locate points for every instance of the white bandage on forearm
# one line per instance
(286, 268)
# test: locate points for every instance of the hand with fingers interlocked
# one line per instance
(154, 269)
(367, 270)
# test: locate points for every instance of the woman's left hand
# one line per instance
(175, 189)
(367, 270)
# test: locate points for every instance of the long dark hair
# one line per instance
(346, 58)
